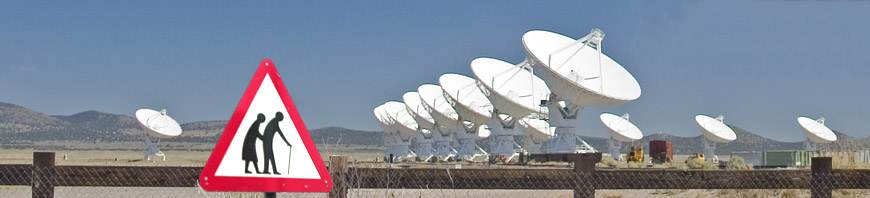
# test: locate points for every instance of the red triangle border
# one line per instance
(210, 182)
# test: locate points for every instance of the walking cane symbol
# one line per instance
(289, 153)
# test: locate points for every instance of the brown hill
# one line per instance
(22, 126)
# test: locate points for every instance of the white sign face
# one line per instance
(248, 154)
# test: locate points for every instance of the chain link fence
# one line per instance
(583, 180)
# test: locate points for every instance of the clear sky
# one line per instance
(759, 63)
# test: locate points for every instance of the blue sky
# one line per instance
(759, 63)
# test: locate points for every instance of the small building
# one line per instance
(661, 151)
(787, 158)
(801, 158)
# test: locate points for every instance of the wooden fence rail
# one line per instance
(584, 179)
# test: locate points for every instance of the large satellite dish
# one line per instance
(404, 125)
(468, 101)
(621, 130)
(816, 131)
(512, 89)
(515, 93)
(536, 133)
(445, 117)
(415, 106)
(425, 124)
(578, 73)
(437, 106)
(387, 125)
(473, 108)
(715, 131)
(157, 125)
(383, 120)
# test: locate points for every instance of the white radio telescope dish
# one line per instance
(473, 107)
(577, 71)
(157, 124)
(405, 125)
(816, 131)
(621, 130)
(425, 123)
(383, 120)
(715, 130)
(415, 106)
(515, 93)
(445, 117)
(512, 89)
(536, 132)
(580, 74)
(387, 125)
(468, 101)
(437, 106)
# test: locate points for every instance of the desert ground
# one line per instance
(198, 158)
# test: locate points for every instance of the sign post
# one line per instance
(265, 124)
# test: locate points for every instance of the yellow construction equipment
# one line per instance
(635, 154)
(699, 156)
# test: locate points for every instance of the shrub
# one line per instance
(701, 164)
(737, 163)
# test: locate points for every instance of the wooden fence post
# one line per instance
(584, 168)
(338, 170)
(42, 175)
(821, 185)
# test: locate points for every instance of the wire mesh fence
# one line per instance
(583, 180)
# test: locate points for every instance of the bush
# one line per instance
(636, 165)
(607, 162)
(737, 163)
(701, 164)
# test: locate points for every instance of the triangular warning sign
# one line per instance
(265, 147)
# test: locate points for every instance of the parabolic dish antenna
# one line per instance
(444, 115)
(157, 125)
(715, 131)
(536, 132)
(386, 124)
(437, 106)
(415, 106)
(621, 130)
(405, 125)
(577, 71)
(473, 107)
(580, 74)
(816, 131)
(425, 122)
(512, 89)
(383, 120)
(515, 93)
(468, 101)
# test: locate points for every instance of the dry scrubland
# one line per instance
(198, 158)
(173, 157)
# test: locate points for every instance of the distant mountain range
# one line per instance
(21, 127)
